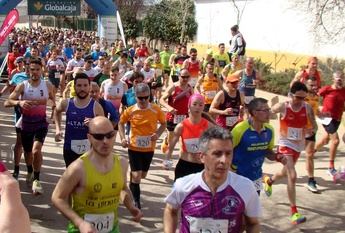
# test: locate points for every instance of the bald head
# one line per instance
(100, 124)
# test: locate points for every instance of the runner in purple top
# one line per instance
(214, 200)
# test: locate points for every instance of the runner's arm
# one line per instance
(98, 110)
(170, 219)
(198, 84)
(218, 100)
(14, 96)
(311, 118)
(163, 100)
(252, 225)
(51, 93)
(69, 181)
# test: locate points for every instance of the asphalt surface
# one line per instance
(325, 211)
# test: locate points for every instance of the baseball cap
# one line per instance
(232, 78)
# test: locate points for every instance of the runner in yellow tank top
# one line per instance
(95, 182)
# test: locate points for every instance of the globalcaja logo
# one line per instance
(38, 6)
(54, 7)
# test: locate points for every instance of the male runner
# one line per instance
(294, 117)
(32, 96)
(310, 72)
(143, 118)
(95, 183)
(193, 65)
(79, 110)
(214, 200)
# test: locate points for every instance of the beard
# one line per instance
(80, 96)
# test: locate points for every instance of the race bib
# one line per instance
(208, 225)
(80, 146)
(295, 133)
(193, 81)
(103, 223)
(231, 120)
(258, 184)
(57, 75)
(247, 99)
(179, 118)
(210, 94)
(192, 145)
(158, 72)
(143, 141)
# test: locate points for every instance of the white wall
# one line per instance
(266, 25)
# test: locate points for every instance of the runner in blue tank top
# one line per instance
(79, 110)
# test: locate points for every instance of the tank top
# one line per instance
(76, 131)
(35, 117)
(181, 105)
(305, 76)
(191, 134)
(54, 68)
(229, 121)
(292, 125)
(246, 86)
(142, 52)
(99, 201)
(193, 69)
(209, 88)
(116, 91)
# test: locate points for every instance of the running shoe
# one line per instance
(297, 218)
(267, 187)
(312, 186)
(331, 171)
(168, 164)
(165, 145)
(37, 188)
(29, 177)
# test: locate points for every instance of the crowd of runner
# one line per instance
(208, 105)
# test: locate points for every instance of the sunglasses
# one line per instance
(143, 97)
(89, 61)
(33, 69)
(100, 136)
(185, 76)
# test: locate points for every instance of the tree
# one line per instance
(129, 15)
(171, 20)
(239, 12)
(325, 17)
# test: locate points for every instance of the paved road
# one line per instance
(325, 211)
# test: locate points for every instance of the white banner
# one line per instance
(107, 28)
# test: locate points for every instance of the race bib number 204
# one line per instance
(103, 223)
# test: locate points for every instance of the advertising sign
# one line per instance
(11, 19)
(107, 28)
(54, 7)
(103, 7)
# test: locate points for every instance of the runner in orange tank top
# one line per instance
(189, 132)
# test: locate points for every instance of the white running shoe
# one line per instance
(37, 188)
